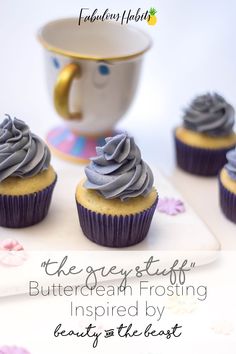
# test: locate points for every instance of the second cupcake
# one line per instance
(117, 201)
(27, 179)
(206, 136)
(227, 181)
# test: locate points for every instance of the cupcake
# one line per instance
(206, 135)
(117, 200)
(227, 181)
(27, 179)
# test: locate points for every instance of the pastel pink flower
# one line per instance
(10, 245)
(12, 253)
(170, 206)
(13, 350)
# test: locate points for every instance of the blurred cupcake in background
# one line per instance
(27, 179)
(117, 201)
(227, 181)
(206, 135)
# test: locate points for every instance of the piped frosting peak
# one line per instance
(210, 114)
(22, 153)
(118, 170)
(231, 165)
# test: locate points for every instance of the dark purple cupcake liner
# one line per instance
(227, 202)
(25, 210)
(118, 230)
(203, 162)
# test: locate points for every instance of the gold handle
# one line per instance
(62, 91)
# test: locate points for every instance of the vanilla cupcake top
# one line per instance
(22, 153)
(118, 170)
(210, 114)
(231, 165)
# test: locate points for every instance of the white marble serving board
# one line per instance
(61, 229)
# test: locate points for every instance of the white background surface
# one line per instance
(194, 51)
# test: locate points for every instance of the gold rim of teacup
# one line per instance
(74, 55)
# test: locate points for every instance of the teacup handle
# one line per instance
(62, 91)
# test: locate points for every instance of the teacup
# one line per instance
(92, 74)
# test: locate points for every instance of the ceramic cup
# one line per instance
(92, 71)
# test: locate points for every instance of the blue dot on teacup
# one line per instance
(55, 62)
(103, 69)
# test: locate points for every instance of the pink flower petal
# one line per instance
(13, 258)
(13, 350)
(10, 245)
(170, 206)
(12, 253)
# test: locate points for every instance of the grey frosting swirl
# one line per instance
(118, 170)
(231, 165)
(210, 114)
(22, 153)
